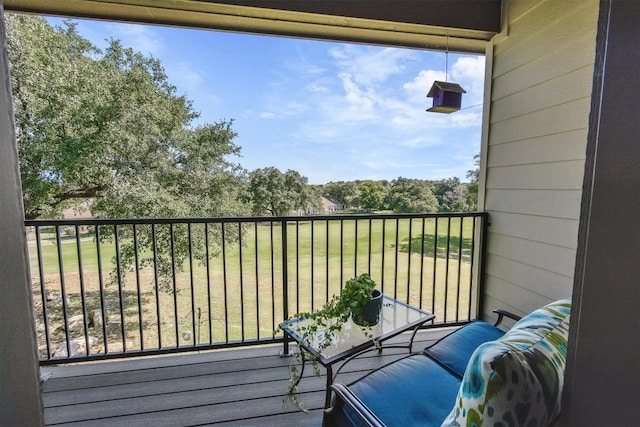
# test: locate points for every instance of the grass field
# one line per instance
(238, 295)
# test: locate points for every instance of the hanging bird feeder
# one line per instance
(447, 97)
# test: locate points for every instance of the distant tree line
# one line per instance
(272, 192)
(405, 195)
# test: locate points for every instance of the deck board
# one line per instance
(240, 387)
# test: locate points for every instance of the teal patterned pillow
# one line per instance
(517, 380)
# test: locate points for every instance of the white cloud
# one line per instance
(417, 89)
(283, 110)
(467, 119)
(141, 38)
(421, 141)
(402, 167)
(184, 75)
(317, 87)
(303, 67)
(371, 65)
(364, 74)
(359, 102)
(470, 70)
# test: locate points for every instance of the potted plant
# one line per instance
(358, 300)
(363, 300)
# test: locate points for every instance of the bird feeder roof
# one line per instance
(444, 87)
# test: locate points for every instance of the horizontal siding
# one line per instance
(540, 102)
(547, 67)
(546, 284)
(544, 95)
(548, 148)
(519, 300)
(540, 176)
(548, 28)
(555, 120)
(543, 229)
(556, 259)
(556, 204)
(519, 8)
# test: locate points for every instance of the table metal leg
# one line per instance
(413, 335)
(294, 386)
(327, 399)
(285, 352)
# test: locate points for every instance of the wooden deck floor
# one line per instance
(241, 387)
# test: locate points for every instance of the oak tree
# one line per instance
(110, 127)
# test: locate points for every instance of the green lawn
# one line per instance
(242, 290)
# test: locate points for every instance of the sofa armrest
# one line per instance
(355, 405)
(504, 313)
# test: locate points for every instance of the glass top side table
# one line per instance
(352, 340)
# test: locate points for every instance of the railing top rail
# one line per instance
(247, 219)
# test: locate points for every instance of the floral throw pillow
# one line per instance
(517, 379)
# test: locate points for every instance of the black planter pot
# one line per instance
(370, 314)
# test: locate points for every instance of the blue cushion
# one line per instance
(454, 350)
(411, 391)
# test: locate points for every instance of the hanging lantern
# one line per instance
(447, 97)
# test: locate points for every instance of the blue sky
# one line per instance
(331, 111)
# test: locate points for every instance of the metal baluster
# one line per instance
(285, 271)
(273, 289)
(341, 253)
(103, 309)
(409, 260)
(65, 308)
(326, 254)
(369, 247)
(137, 268)
(446, 270)
(435, 264)
(191, 282)
(355, 249)
(208, 267)
(395, 266)
(242, 323)
(120, 284)
(255, 233)
(83, 301)
(460, 245)
(224, 284)
(175, 285)
(154, 243)
(313, 299)
(424, 220)
(43, 291)
(384, 250)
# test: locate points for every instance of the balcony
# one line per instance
(536, 136)
(212, 307)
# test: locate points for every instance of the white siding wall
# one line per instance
(541, 79)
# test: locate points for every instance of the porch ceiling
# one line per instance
(460, 25)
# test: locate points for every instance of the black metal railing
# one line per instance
(114, 288)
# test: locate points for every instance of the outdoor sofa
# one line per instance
(477, 375)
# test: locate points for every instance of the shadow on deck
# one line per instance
(241, 387)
